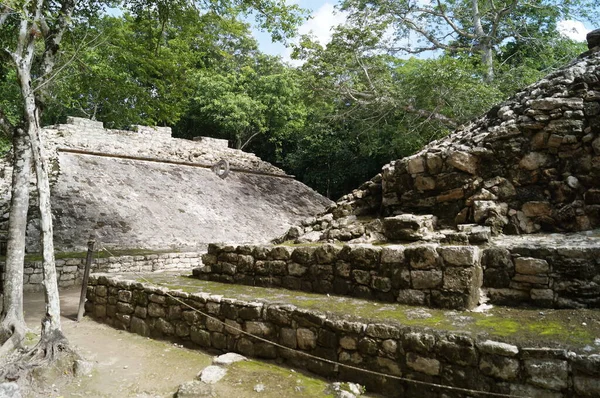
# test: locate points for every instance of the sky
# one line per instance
(324, 17)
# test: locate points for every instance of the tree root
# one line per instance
(12, 334)
(50, 351)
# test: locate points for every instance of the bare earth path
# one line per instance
(128, 365)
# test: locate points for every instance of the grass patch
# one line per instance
(278, 381)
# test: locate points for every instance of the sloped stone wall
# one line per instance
(430, 275)
(530, 164)
(144, 189)
(446, 358)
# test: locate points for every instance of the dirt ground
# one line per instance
(128, 365)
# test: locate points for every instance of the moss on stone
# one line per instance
(519, 325)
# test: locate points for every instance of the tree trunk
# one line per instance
(51, 330)
(12, 329)
(484, 43)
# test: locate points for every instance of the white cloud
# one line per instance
(574, 30)
(320, 25)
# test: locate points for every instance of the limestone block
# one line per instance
(295, 269)
(422, 257)
(537, 209)
(388, 366)
(554, 103)
(392, 255)
(434, 163)
(463, 161)
(361, 277)
(306, 339)
(547, 373)
(200, 336)
(125, 296)
(367, 257)
(408, 227)
(497, 348)
(448, 196)
(535, 160)
(459, 279)
(426, 279)
(500, 367)
(587, 386)
(156, 310)
(259, 328)
(327, 253)
(416, 165)
(411, 297)
(125, 308)
(348, 343)
(390, 347)
(531, 266)
(381, 284)
(424, 183)
(461, 256)
(429, 366)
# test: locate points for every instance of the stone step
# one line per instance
(409, 227)
(518, 352)
(419, 274)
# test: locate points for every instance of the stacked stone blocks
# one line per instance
(448, 358)
(421, 274)
(69, 271)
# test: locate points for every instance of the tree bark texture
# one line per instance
(12, 328)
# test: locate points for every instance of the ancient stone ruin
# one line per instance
(391, 286)
(144, 189)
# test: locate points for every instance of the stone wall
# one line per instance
(69, 271)
(145, 189)
(457, 360)
(546, 271)
(423, 274)
(530, 164)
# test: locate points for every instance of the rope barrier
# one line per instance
(325, 360)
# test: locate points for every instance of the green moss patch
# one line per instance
(551, 328)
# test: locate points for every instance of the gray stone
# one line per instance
(81, 368)
(228, 359)
(212, 374)
(531, 266)
(500, 367)
(194, 389)
(10, 390)
(306, 338)
(429, 366)
(587, 386)
(593, 38)
(497, 348)
(547, 373)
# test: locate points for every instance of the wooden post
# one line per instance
(86, 275)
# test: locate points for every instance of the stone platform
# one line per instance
(521, 352)
(546, 270)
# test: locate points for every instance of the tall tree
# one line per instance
(32, 32)
(470, 26)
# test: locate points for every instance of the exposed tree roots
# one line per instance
(28, 366)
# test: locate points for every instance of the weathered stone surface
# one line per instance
(500, 367)
(194, 389)
(429, 366)
(10, 390)
(228, 359)
(547, 374)
(593, 38)
(212, 374)
(531, 266)
(463, 161)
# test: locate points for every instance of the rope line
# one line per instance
(329, 361)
